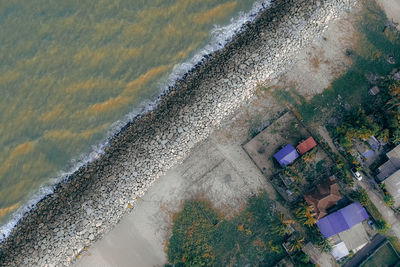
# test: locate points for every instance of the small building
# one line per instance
(390, 166)
(393, 187)
(306, 145)
(339, 251)
(286, 155)
(374, 90)
(323, 197)
(342, 220)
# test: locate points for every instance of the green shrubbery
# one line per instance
(388, 199)
(201, 237)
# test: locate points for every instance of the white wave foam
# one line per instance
(220, 36)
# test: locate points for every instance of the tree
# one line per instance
(382, 226)
(296, 244)
(286, 221)
(361, 196)
(388, 199)
(306, 215)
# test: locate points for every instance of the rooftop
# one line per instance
(390, 166)
(393, 187)
(324, 196)
(286, 155)
(342, 220)
(306, 145)
(355, 238)
(339, 251)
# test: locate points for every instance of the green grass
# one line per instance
(369, 57)
(395, 243)
(385, 256)
(202, 237)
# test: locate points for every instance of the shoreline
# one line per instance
(216, 43)
(163, 137)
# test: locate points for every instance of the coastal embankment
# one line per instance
(95, 198)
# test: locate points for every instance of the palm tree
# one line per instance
(306, 214)
(286, 221)
(297, 244)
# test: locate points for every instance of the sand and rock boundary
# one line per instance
(94, 199)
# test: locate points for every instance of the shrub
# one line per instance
(382, 226)
(388, 199)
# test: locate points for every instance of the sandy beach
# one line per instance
(98, 196)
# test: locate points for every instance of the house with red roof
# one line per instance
(323, 197)
(306, 145)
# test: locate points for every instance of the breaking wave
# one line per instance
(220, 36)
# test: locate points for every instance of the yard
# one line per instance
(385, 256)
(203, 237)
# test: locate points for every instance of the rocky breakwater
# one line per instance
(93, 200)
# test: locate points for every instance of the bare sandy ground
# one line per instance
(218, 169)
(224, 174)
(392, 10)
(324, 60)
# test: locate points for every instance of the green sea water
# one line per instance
(69, 69)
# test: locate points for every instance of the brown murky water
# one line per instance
(70, 69)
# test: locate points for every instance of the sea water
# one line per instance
(72, 73)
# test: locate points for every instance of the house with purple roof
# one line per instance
(344, 230)
(342, 219)
(286, 155)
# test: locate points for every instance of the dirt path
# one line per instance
(386, 212)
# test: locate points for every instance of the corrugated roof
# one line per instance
(342, 220)
(286, 155)
(390, 166)
(306, 145)
(339, 251)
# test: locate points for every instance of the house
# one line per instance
(306, 145)
(390, 166)
(393, 187)
(323, 197)
(344, 230)
(342, 219)
(286, 155)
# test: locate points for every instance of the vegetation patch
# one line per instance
(370, 59)
(385, 256)
(202, 237)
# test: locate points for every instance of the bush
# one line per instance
(382, 226)
(388, 199)
(201, 237)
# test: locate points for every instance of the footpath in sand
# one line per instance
(218, 169)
